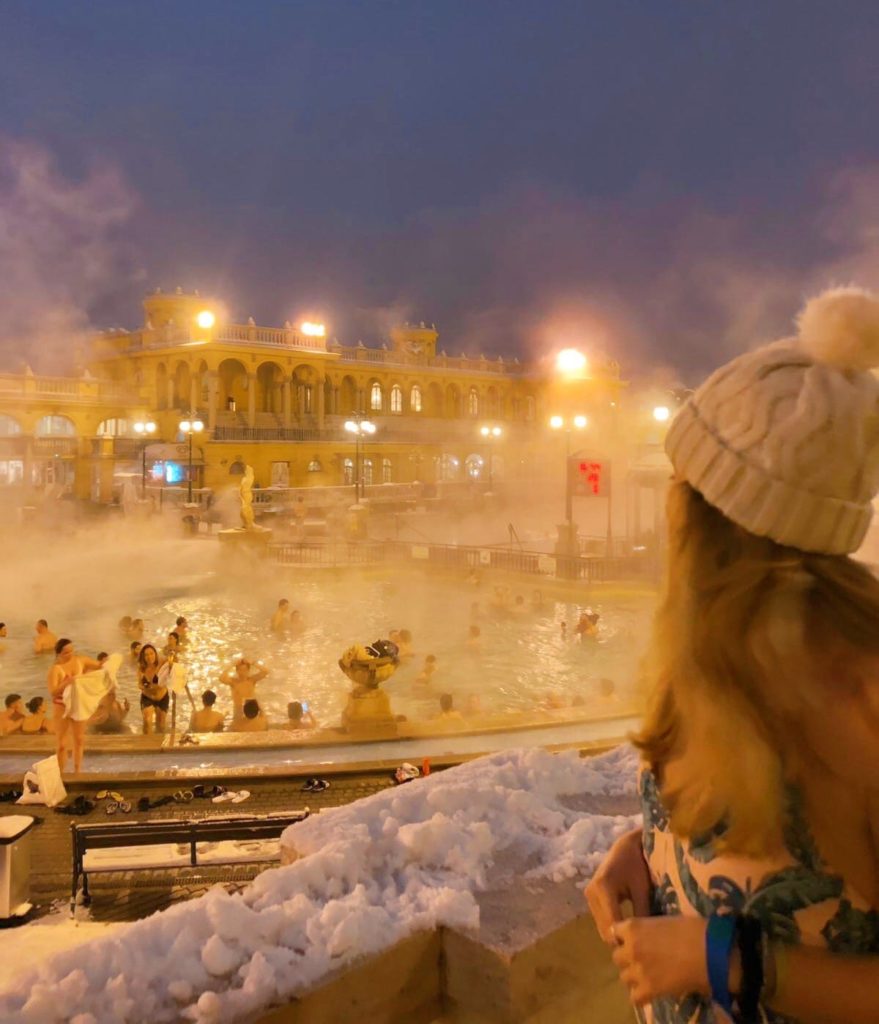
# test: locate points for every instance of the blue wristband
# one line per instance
(719, 938)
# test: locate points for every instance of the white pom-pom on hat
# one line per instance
(840, 327)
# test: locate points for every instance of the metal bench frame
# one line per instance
(181, 831)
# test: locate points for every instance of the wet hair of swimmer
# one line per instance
(251, 708)
(61, 644)
(209, 698)
(34, 704)
(135, 646)
(102, 656)
(294, 710)
(12, 698)
(42, 622)
(181, 620)
(283, 603)
(446, 702)
(175, 634)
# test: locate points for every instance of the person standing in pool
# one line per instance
(243, 683)
(68, 733)
(45, 640)
(154, 696)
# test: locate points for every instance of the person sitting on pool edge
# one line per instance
(206, 719)
(12, 716)
(299, 717)
(253, 719)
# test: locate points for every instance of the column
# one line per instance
(251, 400)
(321, 403)
(194, 395)
(213, 388)
(287, 403)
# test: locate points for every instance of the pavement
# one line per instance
(128, 896)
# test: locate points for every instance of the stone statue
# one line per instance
(246, 492)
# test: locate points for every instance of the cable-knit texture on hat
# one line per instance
(785, 446)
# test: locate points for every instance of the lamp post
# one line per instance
(359, 426)
(568, 425)
(190, 427)
(491, 432)
(144, 429)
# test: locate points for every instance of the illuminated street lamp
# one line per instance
(661, 413)
(578, 422)
(570, 362)
(313, 330)
(190, 427)
(205, 319)
(359, 427)
(144, 429)
(491, 432)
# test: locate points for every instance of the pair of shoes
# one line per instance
(183, 796)
(111, 793)
(315, 786)
(145, 804)
(187, 738)
(229, 797)
(207, 792)
(406, 773)
(123, 806)
(79, 806)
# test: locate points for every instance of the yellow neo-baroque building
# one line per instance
(278, 399)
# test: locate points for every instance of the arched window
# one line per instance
(348, 471)
(8, 426)
(450, 467)
(237, 468)
(387, 471)
(367, 472)
(396, 399)
(54, 426)
(375, 397)
(315, 466)
(415, 398)
(112, 428)
(473, 402)
(473, 466)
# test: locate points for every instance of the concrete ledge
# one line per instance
(399, 986)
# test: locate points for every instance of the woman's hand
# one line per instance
(661, 956)
(623, 876)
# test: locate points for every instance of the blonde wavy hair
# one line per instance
(749, 637)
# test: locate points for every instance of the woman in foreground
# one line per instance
(759, 854)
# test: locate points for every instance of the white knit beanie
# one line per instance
(785, 440)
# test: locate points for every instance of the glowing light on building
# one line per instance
(313, 330)
(205, 319)
(661, 413)
(570, 360)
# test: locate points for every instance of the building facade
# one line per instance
(278, 399)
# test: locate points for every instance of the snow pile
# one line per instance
(369, 874)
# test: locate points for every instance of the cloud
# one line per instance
(62, 249)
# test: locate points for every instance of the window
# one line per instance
(55, 426)
(307, 399)
(348, 471)
(8, 426)
(315, 466)
(375, 397)
(415, 398)
(11, 471)
(396, 399)
(387, 471)
(473, 402)
(367, 472)
(112, 428)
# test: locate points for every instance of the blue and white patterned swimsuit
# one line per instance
(796, 896)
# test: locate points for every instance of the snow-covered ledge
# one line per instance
(460, 893)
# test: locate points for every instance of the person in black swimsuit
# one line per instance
(154, 696)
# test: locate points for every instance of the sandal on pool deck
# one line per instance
(240, 797)
(315, 785)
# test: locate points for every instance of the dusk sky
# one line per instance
(661, 180)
